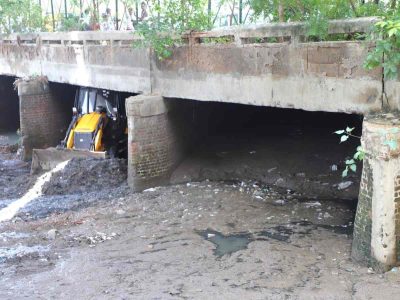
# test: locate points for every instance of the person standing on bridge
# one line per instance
(127, 22)
(85, 20)
(107, 22)
(144, 15)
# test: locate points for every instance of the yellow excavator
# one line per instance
(98, 129)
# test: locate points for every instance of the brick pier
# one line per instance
(376, 240)
(153, 149)
(43, 119)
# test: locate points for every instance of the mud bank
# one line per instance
(14, 177)
(162, 244)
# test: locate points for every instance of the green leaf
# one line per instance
(344, 173)
(339, 132)
(348, 129)
(359, 155)
(392, 32)
(353, 167)
(380, 24)
(350, 161)
(344, 138)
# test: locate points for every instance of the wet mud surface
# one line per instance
(89, 237)
(308, 161)
(14, 177)
(197, 240)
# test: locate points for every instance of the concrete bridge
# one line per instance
(239, 65)
(266, 65)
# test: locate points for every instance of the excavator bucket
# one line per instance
(47, 159)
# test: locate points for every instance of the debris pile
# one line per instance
(93, 240)
(87, 175)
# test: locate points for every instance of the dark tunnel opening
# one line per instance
(291, 149)
(9, 111)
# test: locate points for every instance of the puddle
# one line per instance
(8, 138)
(7, 253)
(339, 229)
(303, 228)
(226, 244)
(284, 232)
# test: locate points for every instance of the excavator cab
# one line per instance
(98, 129)
(98, 122)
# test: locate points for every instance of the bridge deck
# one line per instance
(243, 67)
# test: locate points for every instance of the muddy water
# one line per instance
(226, 245)
(9, 138)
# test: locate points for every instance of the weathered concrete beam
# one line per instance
(310, 76)
(120, 68)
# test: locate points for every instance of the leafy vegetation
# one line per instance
(170, 20)
(316, 13)
(386, 139)
(351, 164)
(19, 16)
(386, 52)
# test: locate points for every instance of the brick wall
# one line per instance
(361, 247)
(43, 117)
(154, 143)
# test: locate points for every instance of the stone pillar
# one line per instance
(376, 239)
(153, 150)
(42, 118)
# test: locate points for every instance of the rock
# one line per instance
(312, 204)
(52, 234)
(120, 212)
(334, 168)
(210, 235)
(279, 202)
(344, 185)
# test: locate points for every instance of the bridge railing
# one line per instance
(292, 32)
